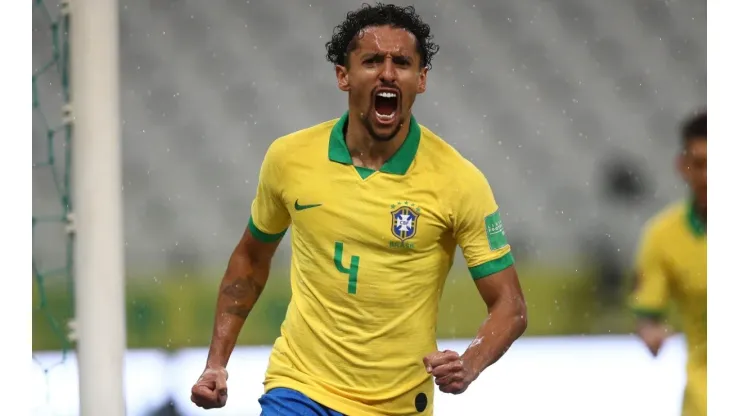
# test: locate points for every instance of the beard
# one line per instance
(375, 134)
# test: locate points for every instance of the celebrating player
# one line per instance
(377, 205)
(672, 264)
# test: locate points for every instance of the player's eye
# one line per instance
(401, 61)
(373, 60)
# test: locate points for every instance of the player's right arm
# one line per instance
(649, 299)
(243, 282)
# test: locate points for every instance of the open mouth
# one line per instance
(386, 105)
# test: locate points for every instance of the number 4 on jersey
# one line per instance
(354, 265)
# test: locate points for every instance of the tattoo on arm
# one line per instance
(242, 293)
(240, 311)
(241, 288)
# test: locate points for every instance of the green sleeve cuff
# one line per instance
(263, 236)
(490, 267)
(645, 313)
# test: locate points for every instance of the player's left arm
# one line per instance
(506, 320)
(479, 232)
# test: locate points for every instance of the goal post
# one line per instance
(98, 205)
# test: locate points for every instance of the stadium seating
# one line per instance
(541, 95)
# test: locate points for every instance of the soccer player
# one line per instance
(377, 204)
(672, 265)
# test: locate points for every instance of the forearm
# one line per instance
(240, 288)
(506, 321)
(650, 325)
(650, 322)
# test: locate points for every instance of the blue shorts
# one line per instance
(288, 402)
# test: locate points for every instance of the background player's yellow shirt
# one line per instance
(370, 254)
(672, 265)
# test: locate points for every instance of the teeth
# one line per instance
(385, 94)
(385, 117)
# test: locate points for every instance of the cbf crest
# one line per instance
(404, 220)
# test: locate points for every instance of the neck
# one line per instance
(367, 151)
(701, 212)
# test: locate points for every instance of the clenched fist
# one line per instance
(209, 391)
(449, 371)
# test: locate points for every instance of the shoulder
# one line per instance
(664, 223)
(441, 156)
(294, 144)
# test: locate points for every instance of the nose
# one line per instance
(388, 71)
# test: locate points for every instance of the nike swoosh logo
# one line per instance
(299, 207)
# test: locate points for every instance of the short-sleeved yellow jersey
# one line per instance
(672, 266)
(370, 254)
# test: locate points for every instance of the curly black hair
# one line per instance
(694, 127)
(343, 38)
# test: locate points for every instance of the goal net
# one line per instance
(52, 231)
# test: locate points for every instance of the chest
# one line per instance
(383, 213)
(687, 262)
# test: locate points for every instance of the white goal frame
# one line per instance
(97, 205)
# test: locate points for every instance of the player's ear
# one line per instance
(422, 84)
(342, 77)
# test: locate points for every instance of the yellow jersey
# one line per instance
(672, 265)
(370, 254)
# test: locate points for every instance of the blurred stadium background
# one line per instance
(569, 107)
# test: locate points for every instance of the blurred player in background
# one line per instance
(672, 265)
(377, 205)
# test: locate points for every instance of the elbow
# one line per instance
(513, 313)
(519, 317)
(250, 259)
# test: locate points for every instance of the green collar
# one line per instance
(696, 224)
(398, 164)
